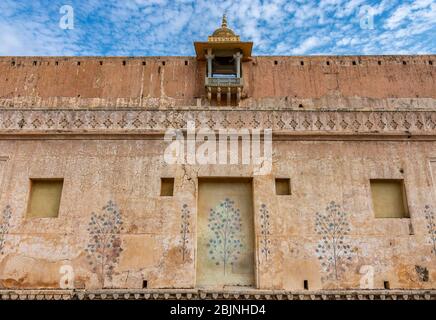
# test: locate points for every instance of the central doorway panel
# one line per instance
(225, 237)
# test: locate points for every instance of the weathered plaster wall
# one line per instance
(111, 159)
(270, 82)
(128, 171)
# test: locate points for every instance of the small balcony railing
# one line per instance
(224, 82)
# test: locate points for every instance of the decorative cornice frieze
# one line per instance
(198, 294)
(286, 121)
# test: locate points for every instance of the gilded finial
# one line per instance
(223, 33)
(224, 23)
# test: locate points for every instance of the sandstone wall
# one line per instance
(360, 82)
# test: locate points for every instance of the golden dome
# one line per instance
(224, 33)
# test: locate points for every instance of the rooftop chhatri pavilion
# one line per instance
(224, 52)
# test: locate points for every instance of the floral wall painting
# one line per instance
(104, 245)
(185, 231)
(4, 227)
(333, 251)
(265, 242)
(422, 273)
(225, 225)
(431, 227)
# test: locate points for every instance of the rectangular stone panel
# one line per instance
(225, 243)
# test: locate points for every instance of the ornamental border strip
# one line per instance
(197, 294)
(104, 121)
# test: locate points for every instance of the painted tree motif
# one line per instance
(431, 226)
(332, 250)
(4, 226)
(226, 242)
(265, 242)
(185, 230)
(104, 245)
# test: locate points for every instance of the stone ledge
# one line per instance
(333, 100)
(199, 294)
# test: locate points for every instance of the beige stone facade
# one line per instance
(339, 124)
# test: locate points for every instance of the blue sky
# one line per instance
(164, 27)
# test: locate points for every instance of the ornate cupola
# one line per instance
(224, 52)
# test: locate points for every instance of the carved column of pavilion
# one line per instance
(238, 56)
(209, 57)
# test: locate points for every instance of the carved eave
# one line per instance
(244, 47)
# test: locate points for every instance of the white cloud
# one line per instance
(163, 27)
(398, 17)
(309, 44)
(10, 41)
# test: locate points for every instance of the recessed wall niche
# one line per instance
(167, 187)
(389, 198)
(283, 186)
(45, 198)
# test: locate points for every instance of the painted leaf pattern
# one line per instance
(104, 245)
(431, 226)
(225, 225)
(185, 230)
(332, 250)
(265, 241)
(4, 226)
